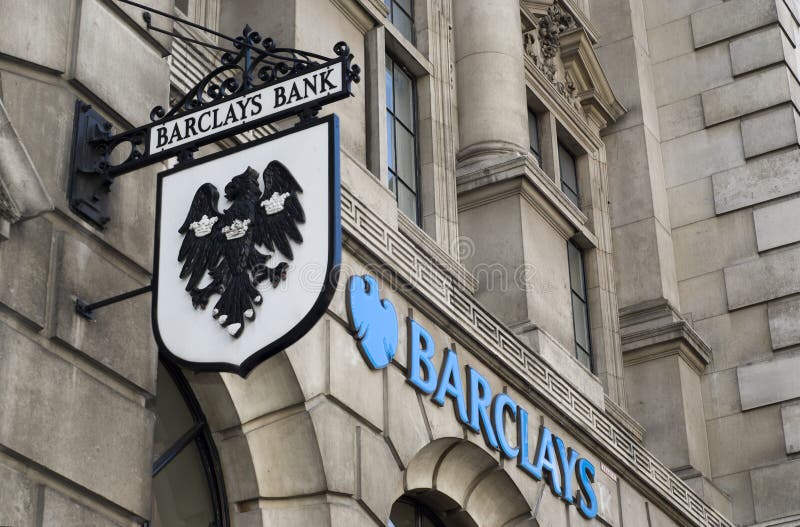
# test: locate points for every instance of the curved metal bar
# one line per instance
(250, 66)
(178, 19)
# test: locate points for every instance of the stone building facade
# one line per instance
(593, 203)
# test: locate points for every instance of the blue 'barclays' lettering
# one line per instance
(482, 413)
(552, 461)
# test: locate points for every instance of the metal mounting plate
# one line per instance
(89, 186)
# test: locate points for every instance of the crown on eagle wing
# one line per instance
(203, 226)
(274, 204)
(237, 229)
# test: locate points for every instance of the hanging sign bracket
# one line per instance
(257, 83)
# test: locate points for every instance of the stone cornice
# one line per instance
(519, 175)
(653, 329)
(503, 350)
(591, 84)
(675, 338)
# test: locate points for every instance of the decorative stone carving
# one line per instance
(533, 45)
(558, 45)
(543, 45)
(551, 26)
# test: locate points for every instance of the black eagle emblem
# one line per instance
(225, 244)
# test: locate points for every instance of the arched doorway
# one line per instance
(411, 512)
(188, 487)
(463, 485)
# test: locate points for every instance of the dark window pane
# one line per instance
(390, 141)
(569, 177)
(573, 197)
(575, 270)
(404, 97)
(406, 163)
(172, 415)
(402, 515)
(579, 299)
(402, 16)
(405, 4)
(533, 132)
(407, 200)
(567, 162)
(581, 322)
(180, 492)
(403, 24)
(183, 6)
(585, 358)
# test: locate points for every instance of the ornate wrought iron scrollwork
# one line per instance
(253, 63)
(256, 62)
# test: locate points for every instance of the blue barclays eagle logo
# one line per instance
(372, 320)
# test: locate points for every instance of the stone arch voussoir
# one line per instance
(467, 485)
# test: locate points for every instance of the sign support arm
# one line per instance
(87, 310)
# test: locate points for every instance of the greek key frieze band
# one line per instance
(433, 282)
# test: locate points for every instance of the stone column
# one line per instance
(493, 134)
(492, 110)
(515, 238)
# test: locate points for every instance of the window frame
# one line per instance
(417, 220)
(533, 117)
(583, 298)
(390, 5)
(200, 434)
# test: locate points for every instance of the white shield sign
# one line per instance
(247, 251)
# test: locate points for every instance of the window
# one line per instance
(569, 174)
(401, 14)
(188, 490)
(533, 133)
(407, 513)
(401, 109)
(580, 305)
(182, 6)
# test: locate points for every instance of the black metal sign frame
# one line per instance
(250, 72)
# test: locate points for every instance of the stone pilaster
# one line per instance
(664, 358)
